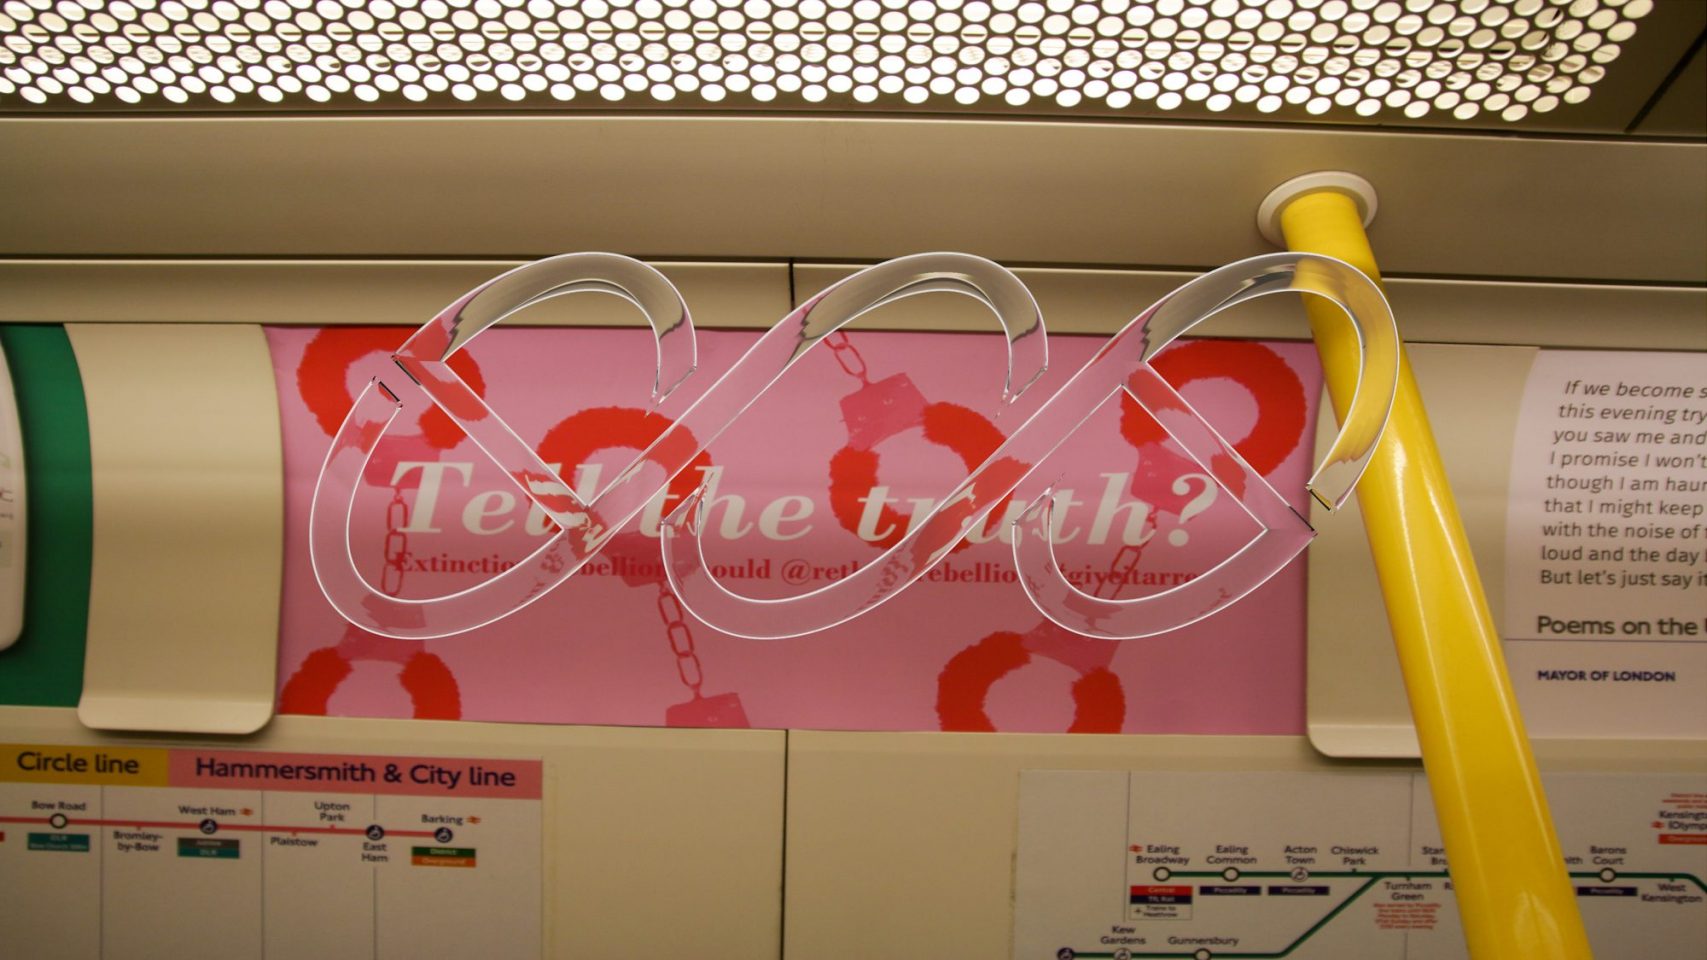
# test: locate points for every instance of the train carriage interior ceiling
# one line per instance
(195, 192)
(1072, 133)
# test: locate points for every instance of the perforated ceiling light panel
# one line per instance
(1411, 61)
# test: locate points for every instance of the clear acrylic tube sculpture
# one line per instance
(586, 526)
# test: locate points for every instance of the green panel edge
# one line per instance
(45, 667)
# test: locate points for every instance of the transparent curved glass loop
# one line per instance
(1284, 533)
(1122, 364)
(585, 527)
(509, 293)
(984, 281)
(1311, 274)
(423, 359)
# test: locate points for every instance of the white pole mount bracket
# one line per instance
(1350, 184)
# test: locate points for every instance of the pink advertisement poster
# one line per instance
(817, 478)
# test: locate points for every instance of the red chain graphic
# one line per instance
(431, 686)
(569, 444)
(320, 379)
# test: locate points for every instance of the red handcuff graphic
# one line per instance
(882, 409)
(879, 410)
(568, 445)
(1099, 701)
(320, 380)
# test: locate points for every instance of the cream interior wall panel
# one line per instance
(669, 843)
(188, 527)
(1042, 192)
(902, 846)
(1588, 316)
(657, 843)
(1356, 703)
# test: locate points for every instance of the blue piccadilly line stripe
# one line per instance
(45, 667)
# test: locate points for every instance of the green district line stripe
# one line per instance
(45, 667)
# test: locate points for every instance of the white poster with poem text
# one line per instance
(1605, 583)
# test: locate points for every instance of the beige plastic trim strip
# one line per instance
(189, 527)
(1451, 311)
(334, 292)
(657, 843)
(755, 294)
(746, 188)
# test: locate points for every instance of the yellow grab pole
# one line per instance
(1513, 892)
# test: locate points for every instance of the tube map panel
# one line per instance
(1328, 866)
(225, 854)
